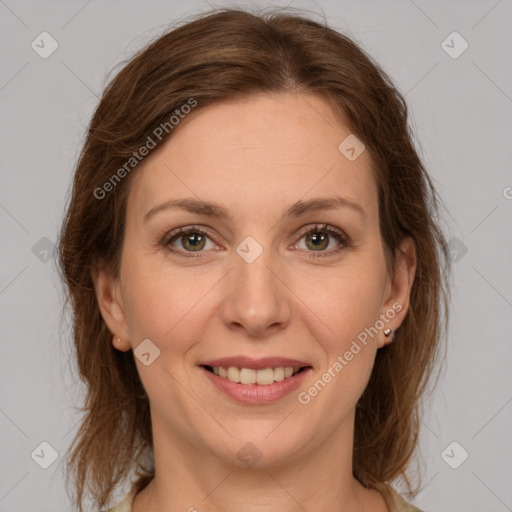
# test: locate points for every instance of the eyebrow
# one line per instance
(295, 210)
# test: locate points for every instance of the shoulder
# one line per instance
(397, 503)
(125, 505)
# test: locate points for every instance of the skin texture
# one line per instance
(256, 157)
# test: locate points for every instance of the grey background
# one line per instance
(461, 111)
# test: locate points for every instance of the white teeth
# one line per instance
(233, 374)
(262, 377)
(265, 377)
(279, 374)
(247, 376)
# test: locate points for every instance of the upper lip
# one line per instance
(257, 364)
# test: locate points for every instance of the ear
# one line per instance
(110, 302)
(396, 303)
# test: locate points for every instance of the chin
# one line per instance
(261, 447)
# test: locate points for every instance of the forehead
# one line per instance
(259, 151)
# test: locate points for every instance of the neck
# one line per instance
(319, 479)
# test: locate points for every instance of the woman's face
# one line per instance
(244, 285)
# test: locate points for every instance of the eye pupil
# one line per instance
(318, 239)
(195, 240)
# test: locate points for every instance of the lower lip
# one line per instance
(254, 393)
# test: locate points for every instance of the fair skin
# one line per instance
(256, 157)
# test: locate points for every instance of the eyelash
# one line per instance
(344, 241)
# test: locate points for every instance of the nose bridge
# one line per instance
(256, 299)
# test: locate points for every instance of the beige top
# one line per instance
(395, 503)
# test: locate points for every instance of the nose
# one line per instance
(257, 301)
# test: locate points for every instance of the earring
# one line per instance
(389, 334)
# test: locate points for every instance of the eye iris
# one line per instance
(318, 240)
(197, 241)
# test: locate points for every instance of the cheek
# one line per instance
(153, 300)
(347, 304)
(163, 304)
(349, 350)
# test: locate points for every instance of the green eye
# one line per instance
(318, 238)
(185, 241)
(192, 239)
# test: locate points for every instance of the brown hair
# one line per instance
(215, 57)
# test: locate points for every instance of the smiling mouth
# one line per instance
(251, 376)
